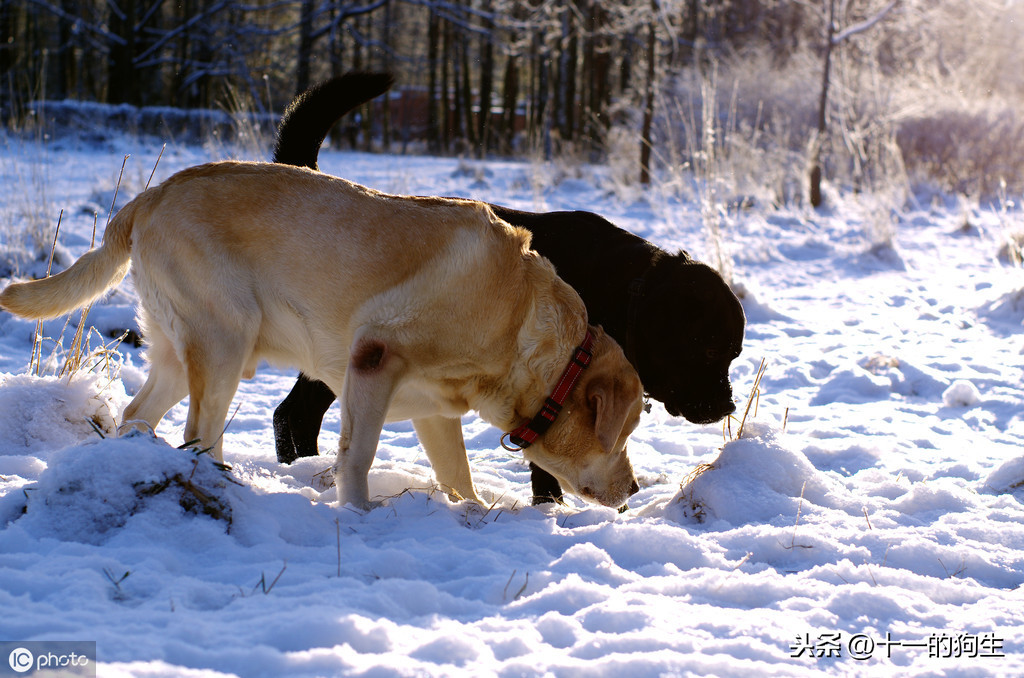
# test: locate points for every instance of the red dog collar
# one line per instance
(528, 432)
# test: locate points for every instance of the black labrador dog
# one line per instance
(677, 320)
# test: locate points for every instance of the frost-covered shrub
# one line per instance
(966, 151)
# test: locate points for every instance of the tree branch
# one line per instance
(863, 26)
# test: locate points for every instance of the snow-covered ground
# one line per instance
(868, 521)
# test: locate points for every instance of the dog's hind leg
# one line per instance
(441, 438)
(214, 370)
(373, 374)
(165, 386)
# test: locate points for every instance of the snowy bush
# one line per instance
(966, 151)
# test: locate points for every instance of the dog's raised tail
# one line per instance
(84, 281)
(309, 118)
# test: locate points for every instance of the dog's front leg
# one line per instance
(441, 438)
(373, 373)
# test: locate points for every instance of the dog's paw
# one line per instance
(362, 507)
(135, 428)
(454, 496)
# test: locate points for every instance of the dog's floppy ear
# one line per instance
(612, 403)
(552, 320)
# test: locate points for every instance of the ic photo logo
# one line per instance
(21, 660)
(48, 657)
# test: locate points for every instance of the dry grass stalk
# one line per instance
(700, 470)
(471, 507)
(796, 523)
(155, 165)
(192, 497)
(324, 479)
(117, 187)
(752, 399)
(696, 506)
(82, 357)
(80, 352)
(337, 525)
(75, 355)
(264, 586)
(504, 593)
(35, 362)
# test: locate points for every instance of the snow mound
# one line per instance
(877, 377)
(1009, 307)
(961, 393)
(755, 479)
(39, 414)
(853, 386)
(90, 490)
(1008, 478)
(755, 305)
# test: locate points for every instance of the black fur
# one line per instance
(310, 116)
(679, 323)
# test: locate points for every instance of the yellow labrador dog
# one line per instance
(409, 308)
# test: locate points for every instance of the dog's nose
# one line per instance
(633, 488)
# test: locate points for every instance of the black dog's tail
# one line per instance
(310, 116)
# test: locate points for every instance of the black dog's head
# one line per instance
(687, 329)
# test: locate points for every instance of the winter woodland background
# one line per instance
(876, 492)
(754, 94)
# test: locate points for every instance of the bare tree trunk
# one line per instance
(542, 124)
(121, 73)
(357, 50)
(465, 101)
(194, 53)
(335, 44)
(597, 66)
(6, 39)
(538, 88)
(181, 55)
(815, 173)
(645, 136)
(510, 97)
(447, 117)
(347, 133)
(386, 131)
(832, 40)
(433, 98)
(565, 87)
(67, 71)
(486, 84)
(689, 31)
(458, 111)
(305, 46)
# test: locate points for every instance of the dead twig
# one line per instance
(799, 510)
(504, 593)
